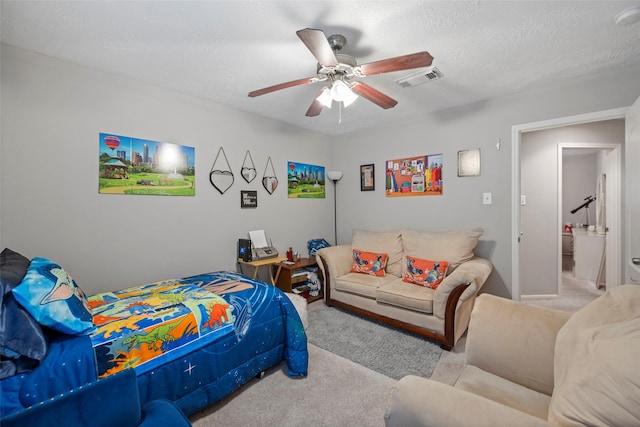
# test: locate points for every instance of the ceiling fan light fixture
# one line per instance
(341, 92)
(325, 97)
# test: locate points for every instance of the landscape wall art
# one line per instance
(137, 166)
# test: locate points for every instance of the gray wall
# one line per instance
(52, 112)
(479, 125)
(579, 180)
(540, 260)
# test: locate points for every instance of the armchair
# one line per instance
(533, 366)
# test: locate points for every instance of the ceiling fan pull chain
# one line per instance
(339, 112)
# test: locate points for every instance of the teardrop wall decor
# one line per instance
(269, 182)
(248, 171)
(221, 179)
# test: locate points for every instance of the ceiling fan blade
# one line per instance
(317, 43)
(316, 106)
(405, 62)
(373, 95)
(283, 86)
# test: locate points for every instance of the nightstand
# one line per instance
(295, 274)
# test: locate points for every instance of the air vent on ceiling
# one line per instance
(423, 76)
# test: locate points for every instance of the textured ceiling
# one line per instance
(221, 50)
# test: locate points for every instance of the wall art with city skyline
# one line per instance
(305, 181)
(129, 165)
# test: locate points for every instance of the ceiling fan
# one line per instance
(339, 70)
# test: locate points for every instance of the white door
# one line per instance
(632, 172)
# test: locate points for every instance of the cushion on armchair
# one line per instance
(596, 375)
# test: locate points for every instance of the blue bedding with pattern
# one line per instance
(215, 332)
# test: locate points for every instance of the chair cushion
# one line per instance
(388, 242)
(498, 389)
(455, 247)
(596, 375)
(406, 295)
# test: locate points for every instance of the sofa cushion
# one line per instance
(361, 284)
(455, 247)
(369, 262)
(597, 380)
(424, 272)
(406, 295)
(388, 242)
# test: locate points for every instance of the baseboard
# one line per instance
(541, 296)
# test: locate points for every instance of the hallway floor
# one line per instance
(573, 294)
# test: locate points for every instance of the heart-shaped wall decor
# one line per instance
(221, 179)
(269, 179)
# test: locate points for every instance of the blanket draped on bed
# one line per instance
(192, 340)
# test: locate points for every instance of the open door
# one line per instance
(632, 155)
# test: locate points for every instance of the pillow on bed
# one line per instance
(54, 298)
(22, 342)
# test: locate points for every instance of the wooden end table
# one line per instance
(286, 278)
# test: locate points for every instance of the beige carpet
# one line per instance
(339, 392)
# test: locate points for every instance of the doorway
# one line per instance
(553, 244)
(582, 217)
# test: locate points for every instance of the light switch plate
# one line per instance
(486, 198)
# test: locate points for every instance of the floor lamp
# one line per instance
(335, 177)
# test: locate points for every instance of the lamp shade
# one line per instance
(334, 175)
(325, 97)
(341, 92)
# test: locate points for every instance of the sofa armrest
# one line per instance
(475, 272)
(417, 401)
(334, 261)
(514, 341)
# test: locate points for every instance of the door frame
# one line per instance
(516, 140)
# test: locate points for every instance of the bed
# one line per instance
(192, 340)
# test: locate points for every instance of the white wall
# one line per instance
(52, 113)
(539, 255)
(479, 125)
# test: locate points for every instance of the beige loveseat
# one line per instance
(441, 314)
(533, 366)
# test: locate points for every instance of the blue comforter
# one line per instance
(259, 328)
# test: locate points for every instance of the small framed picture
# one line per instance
(469, 162)
(248, 199)
(367, 178)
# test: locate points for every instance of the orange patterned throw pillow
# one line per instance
(369, 263)
(424, 272)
